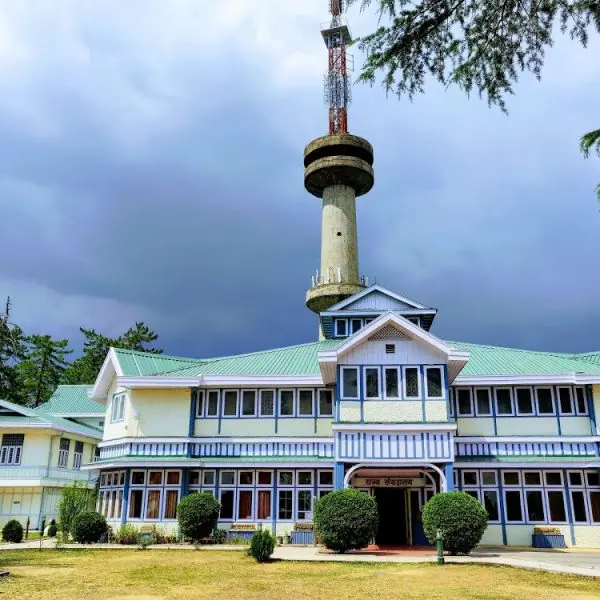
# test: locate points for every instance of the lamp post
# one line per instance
(439, 539)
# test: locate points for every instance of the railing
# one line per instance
(334, 275)
(42, 472)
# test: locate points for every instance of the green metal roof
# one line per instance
(20, 419)
(526, 459)
(589, 356)
(135, 363)
(216, 459)
(493, 360)
(72, 400)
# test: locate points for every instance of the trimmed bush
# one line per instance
(13, 532)
(219, 536)
(197, 515)
(127, 535)
(346, 519)
(52, 529)
(262, 546)
(89, 527)
(462, 519)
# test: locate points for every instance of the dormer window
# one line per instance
(415, 320)
(355, 325)
(341, 329)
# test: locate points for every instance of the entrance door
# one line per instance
(391, 504)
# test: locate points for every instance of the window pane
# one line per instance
(340, 327)
(304, 478)
(595, 506)
(553, 478)
(226, 504)
(286, 478)
(305, 403)
(566, 404)
(350, 383)
(155, 477)
(513, 505)
(556, 506)
(245, 504)
(326, 478)
(246, 477)
(533, 478)
(135, 504)
(470, 477)
(138, 477)
(213, 403)
(503, 402)
(267, 403)
(488, 478)
(464, 402)
(325, 402)
(575, 478)
(265, 477)
(286, 407)
(304, 504)
(172, 477)
(391, 383)
(171, 504)
(209, 478)
(227, 478)
(490, 501)
(372, 383)
(544, 401)
(579, 513)
(264, 504)
(248, 403)
(194, 477)
(285, 504)
(581, 401)
(230, 404)
(511, 478)
(483, 402)
(473, 493)
(524, 401)
(592, 477)
(434, 383)
(153, 505)
(200, 403)
(535, 505)
(411, 378)
(356, 325)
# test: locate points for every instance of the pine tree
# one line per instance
(12, 349)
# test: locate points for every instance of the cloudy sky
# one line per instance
(151, 169)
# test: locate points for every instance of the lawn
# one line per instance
(189, 574)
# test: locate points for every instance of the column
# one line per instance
(338, 476)
(449, 474)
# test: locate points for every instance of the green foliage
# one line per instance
(127, 535)
(89, 527)
(73, 501)
(462, 519)
(219, 536)
(197, 515)
(12, 349)
(42, 367)
(52, 530)
(262, 546)
(346, 519)
(13, 532)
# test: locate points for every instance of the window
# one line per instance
(372, 382)
(285, 505)
(556, 506)
(512, 499)
(136, 499)
(304, 478)
(245, 504)
(355, 325)
(227, 478)
(575, 478)
(230, 403)
(212, 406)
(553, 478)
(208, 478)
(325, 403)
(524, 401)
(582, 406)
(433, 382)
(267, 403)
(264, 504)
(592, 478)
(78, 455)
(12, 448)
(173, 478)
(340, 327)
(153, 504)
(63, 453)
(194, 478)
(265, 477)
(138, 477)
(532, 478)
(473, 493)
(246, 477)
(414, 320)
(155, 478)
(484, 407)
(286, 403)
(595, 506)
(349, 382)
(390, 348)
(565, 400)
(545, 404)
(286, 478)
(248, 403)
(392, 389)
(325, 477)
(579, 511)
(200, 403)
(465, 403)
(227, 497)
(171, 500)
(511, 478)
(503, 401)
(412, 387)
(535, 506)
(469, 477)
(490, 501)
(488, 478)
(304, 505)
(117, 412)
(305, 403)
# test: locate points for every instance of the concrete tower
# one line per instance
(337, 168)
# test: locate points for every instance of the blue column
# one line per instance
(338, 476)
(591, 409)
(193, 410)
(501, 506)
(449, 473)
(274, 503)
(185, 483)
(125, 503)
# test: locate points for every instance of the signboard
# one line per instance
(388, 482)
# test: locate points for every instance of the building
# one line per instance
(42, 452)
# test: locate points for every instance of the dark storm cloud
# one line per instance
(175, 195)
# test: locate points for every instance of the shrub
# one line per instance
(219, 536)
(89, 527)
(52, 529)
(346, 519)
(197, 515)
(128, 535)
(462, 519)
(13, 532)
(73, 501)
(262, 546)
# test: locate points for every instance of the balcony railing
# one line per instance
(334, 275)
(43, 472)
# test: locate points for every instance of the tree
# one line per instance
(12, 349)
(475, 44)
(85, 369)
(74, 500)
(42, 367)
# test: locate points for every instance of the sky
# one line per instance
(151, 170)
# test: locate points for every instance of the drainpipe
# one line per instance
(52, 438)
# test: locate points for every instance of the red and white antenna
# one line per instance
(337, 85)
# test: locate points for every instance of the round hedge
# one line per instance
(197, 515)
(13, 532)
(88, 527)
(462, 519)
(262, 545)
(346, 519)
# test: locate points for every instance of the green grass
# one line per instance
(204, 574)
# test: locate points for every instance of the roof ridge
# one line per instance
(489, 346)
(148, 353)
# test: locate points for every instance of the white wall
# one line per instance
(408, 352)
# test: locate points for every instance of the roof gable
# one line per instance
(71, 401)
(377, 298)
